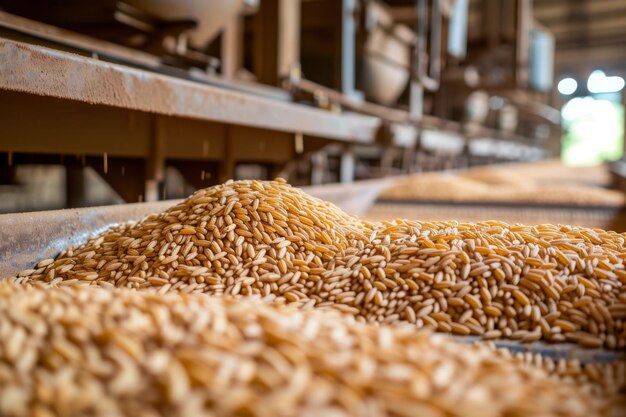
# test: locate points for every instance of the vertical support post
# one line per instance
(408, 159)
(624, 107)
(523, 23)
(416, 89)
(426, 66)
(319, 166)
(277, 44)
(155, 168)
(347, 165)
(75, 186)
(346, 47)
(416, 100)
(491, 15)
(289, 38)
(227, 164)
(231, 47)
(387, 160)
(7, 170)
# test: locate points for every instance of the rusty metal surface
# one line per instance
(108, 51)
(42, 71)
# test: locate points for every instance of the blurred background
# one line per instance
(467, 109)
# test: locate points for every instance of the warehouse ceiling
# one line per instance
(589, 34)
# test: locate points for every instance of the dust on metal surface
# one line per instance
(38, 70)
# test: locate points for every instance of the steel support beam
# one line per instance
(42, 71)
(277, 49)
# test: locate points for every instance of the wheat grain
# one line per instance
(114, 352)
(559, 282)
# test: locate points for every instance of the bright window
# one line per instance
(594, 130)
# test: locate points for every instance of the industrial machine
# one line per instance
(161, 97)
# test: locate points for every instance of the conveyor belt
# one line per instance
(602, 217)
(530, 193)
(503, 204)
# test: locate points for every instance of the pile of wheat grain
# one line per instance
(500, 185)
(117, 352)
(557, 283)
(544, 182)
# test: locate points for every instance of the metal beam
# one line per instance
(547, 10)
(343, 13)
(610, 58)
(42, 71)
(277, 49)
(566, 19)
(232, 46)
(589, 26)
